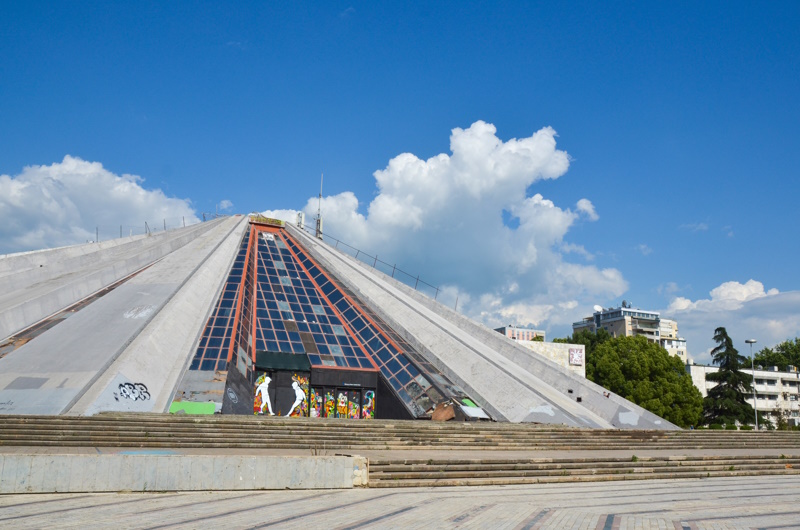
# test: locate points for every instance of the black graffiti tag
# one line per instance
(134, 391)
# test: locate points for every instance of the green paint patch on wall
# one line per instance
(190, 407)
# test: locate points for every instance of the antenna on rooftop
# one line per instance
(319, 209)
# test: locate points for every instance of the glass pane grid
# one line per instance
(212, 350)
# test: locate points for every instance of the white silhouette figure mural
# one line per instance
(299, 398)
(262, 391)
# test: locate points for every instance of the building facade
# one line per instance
(777, 393)
(626, 321)
(521, 333)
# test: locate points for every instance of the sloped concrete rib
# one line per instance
(74, 354)
(34, 285)
(162, 351)
(620, 412)
(507, 391)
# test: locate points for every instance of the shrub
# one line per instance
(730, 427)
(715, 427)
(745, 427)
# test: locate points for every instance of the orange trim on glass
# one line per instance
(321, 293)
(358, 308)
(237, 314)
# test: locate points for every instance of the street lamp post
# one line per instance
(753, 366)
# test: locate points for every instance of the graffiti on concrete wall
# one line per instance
(368, 411)
(261, 399)
(354, 405)
(132, 391)
(330, 404)
(316, 403)
(341, 404)
(300, 405)
(575, 357)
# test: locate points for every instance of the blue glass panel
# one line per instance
(209, 364)
(393, 366)
(403, 377)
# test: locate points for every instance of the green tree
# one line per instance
(645, 373)
(725, 403)
(784, 354)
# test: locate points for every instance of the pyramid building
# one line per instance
(249, 315)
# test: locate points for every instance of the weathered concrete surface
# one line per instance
(162, 351)
(49, 374)
(558, 353)
(507, 391)
(34, 285)
(714, 503)
(150, 471)
(508, 381)
(202, 386)
(617, 410)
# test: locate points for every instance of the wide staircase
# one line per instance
(242, 432)
(494, 440)
(396, 473)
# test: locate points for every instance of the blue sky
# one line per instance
(679, 120)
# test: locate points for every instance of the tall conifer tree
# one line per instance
(725, 403)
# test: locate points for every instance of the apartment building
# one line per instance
(776, 392)
(625, 321)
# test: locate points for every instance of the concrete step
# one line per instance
(136, 430)
(560, 479)
(405, 473)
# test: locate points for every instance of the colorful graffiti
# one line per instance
(341, 405)
(316, 403)
(354, 406)
(368, 412)
(300, 405)
(262, 395)
(330, 404)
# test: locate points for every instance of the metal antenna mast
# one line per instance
(319, 208)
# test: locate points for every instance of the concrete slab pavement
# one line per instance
(717, 503)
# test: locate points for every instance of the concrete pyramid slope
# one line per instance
(246, 315)
(34, 285)
(512, 384)
(53, 372)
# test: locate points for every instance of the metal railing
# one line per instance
(390, 269)
(104, 233)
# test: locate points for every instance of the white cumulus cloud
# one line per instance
(747, 310)
(443, 218)
(66, 202)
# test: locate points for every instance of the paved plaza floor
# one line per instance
(770, 502)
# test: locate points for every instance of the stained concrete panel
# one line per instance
(159, 355)
(506, 391)
(75, 353)
(36, 285)
(512, 384)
